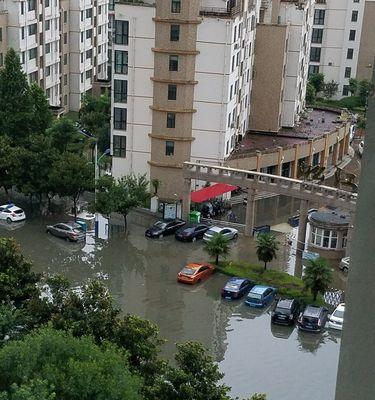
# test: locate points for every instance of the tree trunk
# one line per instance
(315, 295)
(75, 208)
(265, 265)
(125, 222)
(217, 259)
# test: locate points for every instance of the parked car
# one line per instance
(336, 319)
(361, 147)
(70, 231)
(285, 312)
(235, 288)
(195, 272)
(229, 233)
(344, 264)
(164, 227)
(11, 213)
(191, 232)
(313, 319)
(260, 296)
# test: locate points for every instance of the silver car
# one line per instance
(70, 231)
(230, 233)
(344, 264)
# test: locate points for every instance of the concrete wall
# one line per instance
(366, 57)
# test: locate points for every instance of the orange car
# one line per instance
(195, 272)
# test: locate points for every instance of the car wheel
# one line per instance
(9, 221)
(194, 239)
(235, 237)
(345, 270)
(161, 236)
(67, 239)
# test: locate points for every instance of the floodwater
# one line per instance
(141, 275)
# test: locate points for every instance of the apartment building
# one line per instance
(366, 57)
(336, 41)
(281, 64)
(62, 44)
(182, 79)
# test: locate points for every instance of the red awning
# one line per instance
(210, 192)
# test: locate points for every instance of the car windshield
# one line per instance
(211, 232)
(282, 310)
(338, 314)
(231, 286)
(160, 224)
(309, 320)
(188, 271)
(255, 296)
(19, 211)
(78, 228)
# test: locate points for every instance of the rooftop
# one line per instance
(316, 123)
(330, 217)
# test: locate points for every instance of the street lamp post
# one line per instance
(97, 160)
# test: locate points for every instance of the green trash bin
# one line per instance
(194, 216)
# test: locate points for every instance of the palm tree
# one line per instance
(267, 246)
(217, 246)
(318, 276)
(155, 184)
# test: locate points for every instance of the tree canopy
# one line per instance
(317, 276)
(267, 246)
(217, 246)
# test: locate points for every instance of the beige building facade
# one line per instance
(366, 57)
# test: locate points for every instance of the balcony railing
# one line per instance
(229, 11)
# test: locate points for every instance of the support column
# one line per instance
(346, 144)
(295, 162)
(186, 199)
(349, 235)
(280, 160)
(335, 154)
(325, 153)
(301, 238)
(311, 152)
(341, 150)
(250, 212)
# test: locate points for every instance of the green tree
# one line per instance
(155, 183)
(95, 116)
(317, 276)
(121, 196)
(17, 281)
(65, 136)
(72, 175)
(196, 377)
(32, 390)
(353, 86)
(267, 246)
(74, 368)
(41, 114)
(217, 246)
(7, 158)
(317, 80)
(310, 93)
(330, 89)
(15, 99)
(365, 88)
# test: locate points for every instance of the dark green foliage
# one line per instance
(95, 116)
(317, 276)
(267, 246)
(330, 89)
(15, 99)
(365, 88)
(41, 117)
(353, 86)
(310, 93)
(317, 80)
(17, 281)
(65, 136)
(7, 158)
(67, 368)
(217, 246)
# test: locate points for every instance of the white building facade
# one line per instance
(336, 35)
(182, 74)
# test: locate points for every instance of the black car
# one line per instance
(191, 232)
(164, 227)
(285, 312)
(236, 288)
(313, 319)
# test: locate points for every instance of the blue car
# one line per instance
(259, 296)
(236, 288)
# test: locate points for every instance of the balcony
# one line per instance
(232, 9)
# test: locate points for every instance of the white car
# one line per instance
(360, 148)
(336, 319)
(11, 213)
(344, 264)
(230, 233)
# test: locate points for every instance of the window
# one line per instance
(48, 25)
(173, 63)
(47, 3)
(172, 92)
(65, 59)
(315, 54)
(89, 54)
(121, 32)
(176, 6)
(352, 34)
(65, 17)
(119, 118)
(317, 35)
(171, 120)
(89, 34)
(319, 17)
(345, 90)
(33, 77)
(31, 4)
(48, 71)
(1, 59)
(313, 69)
(119, 146)
(100, 10)
(169, 148)
(23, 33)
(65, 80)
(22, 8)
(121, 62)
(348, 72)
(354, 16)
(175, 33)
(32, 29)
(89, 74)
(324, 238)
(88, 13)
(120, 91)
(32, 53)
(48, 48)
(65, 38)
(48, 93)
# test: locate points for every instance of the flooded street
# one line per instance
(141, 275)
